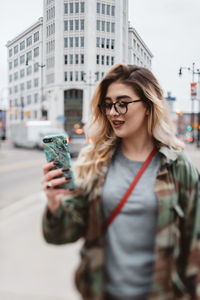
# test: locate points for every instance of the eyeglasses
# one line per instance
(121, 107)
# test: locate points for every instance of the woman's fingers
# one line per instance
(47, 167)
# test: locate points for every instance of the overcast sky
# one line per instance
(170, 29)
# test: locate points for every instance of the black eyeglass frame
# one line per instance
(114, 103)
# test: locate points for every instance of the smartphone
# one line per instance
(56, 149)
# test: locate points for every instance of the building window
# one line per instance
(36, 98)
(82, 24)
(10, 52)
(108, 10)
(22, 87)
(10, 78)
(65, 25)
(16, 49)
(112, 60)
(107, 43)
(112, 27)
(103, 9)
(82, 59)
(65, 8)
(112, 44)
(76, 76)
(102, 59)
(82, 76)
(22, 73)
(28, 85)
(76, 24)
(29, 55)
(36, 82)
(29, 41)
(113, 11)
(82, 7)
(82, 41)
(28, 70)
(108, 26)
(98, 25)
(65, 59)
(97, 59)
(36, 67)
(97, 76)
(35, 114)
(29, 99)
(65, 76)
(76, 42)
(71, 59)
(22, 59)
(10, 65)
(36, 52)
(36, 36)
(71, 42)
(98, 8)
(71, 27)
(103, 26)
(66, 42)
(71, 8)
(22, 45)
(98, 42)
(15, 89)
(76, 59)
(70, 76)
(16, 62)
(102, 43)
(107, 60)
(76, 7)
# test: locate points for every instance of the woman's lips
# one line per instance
(117, 123)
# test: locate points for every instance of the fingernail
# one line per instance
(65, 169)
(57, 163)
(68, 177)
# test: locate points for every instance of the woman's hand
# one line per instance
(49, 182)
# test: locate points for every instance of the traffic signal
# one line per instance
(189, 128)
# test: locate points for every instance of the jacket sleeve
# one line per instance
(68, 223)
(189, 258)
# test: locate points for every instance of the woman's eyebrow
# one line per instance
(118, 97)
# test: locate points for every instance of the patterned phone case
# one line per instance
(56, 149)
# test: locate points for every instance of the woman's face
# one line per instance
(134, 122)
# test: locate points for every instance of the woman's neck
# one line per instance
(137, 149)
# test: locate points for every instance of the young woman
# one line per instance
(149, 248)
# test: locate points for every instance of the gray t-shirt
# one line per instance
(129, 241)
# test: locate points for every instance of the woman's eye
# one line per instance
(122, 104)
(108, 105)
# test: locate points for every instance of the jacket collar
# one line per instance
(168, 157)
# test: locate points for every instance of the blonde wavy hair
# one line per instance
(92, 158)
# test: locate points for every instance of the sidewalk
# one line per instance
(30, 268)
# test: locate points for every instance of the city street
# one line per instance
(30, 268)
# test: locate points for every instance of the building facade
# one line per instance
(138, 52)
(80, 39)
(24, 74)
(65, 54)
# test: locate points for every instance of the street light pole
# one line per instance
(194, 72)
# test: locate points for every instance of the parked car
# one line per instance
(77, 140)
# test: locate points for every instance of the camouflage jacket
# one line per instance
(177, 243)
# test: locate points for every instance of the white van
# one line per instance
(30, 134)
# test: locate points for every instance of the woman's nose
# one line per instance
(113, 111)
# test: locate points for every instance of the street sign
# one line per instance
(169, 98)
(61, 118)
(193, 87)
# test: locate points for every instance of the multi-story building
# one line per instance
(65, 54)
(82, 41)
(138, 52)
(24, 74)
